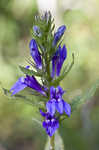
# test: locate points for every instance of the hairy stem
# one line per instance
(52, 143)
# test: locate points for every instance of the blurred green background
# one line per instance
(17, 129)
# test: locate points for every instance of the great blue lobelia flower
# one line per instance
(50, 123)
(59, 34)
(28, 81)
(35, 53)
(58, 60)
(57, 103)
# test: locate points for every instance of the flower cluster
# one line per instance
(48, 57)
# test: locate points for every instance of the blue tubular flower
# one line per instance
(58, 60)
(51, 124)
(35, 53)
(28, 81)
(31, 82)
(18, 86)
(62, 57)
(37, 31)
(57, 103)
(58, 34)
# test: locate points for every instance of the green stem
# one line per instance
(52, 143)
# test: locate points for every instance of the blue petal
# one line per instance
(52, 92)
(33, 83)
(67, 108)
(62, 29)
(63, 53)
(60, 91)
(51, 129)
(35, 53)
(50, 123)
(18, 86)
(44, 124)
(42, 113)
(27, 67)
(62, 57)
(53, 68)
(56, 124)
(50, 106)
(58, 34)
(59, 106)
(58, 68)
(55, 60)
(33, 46)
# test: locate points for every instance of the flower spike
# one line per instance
(48, 57)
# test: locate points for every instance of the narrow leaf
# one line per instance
(79, 100)
(29, 72)
(37, 121)
(26, 99)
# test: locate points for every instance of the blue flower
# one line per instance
(28, 81)
(50, 123)
(58, 60)
(31, 82)
(35, 53)
(18, 86)
(59, 34)
(37, 31)
(57, 103)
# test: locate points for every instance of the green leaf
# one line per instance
(37, 121)
(81, 99)
(59, 145)
(26, 99)
(53, 27)
(6, 92)
(29, 72)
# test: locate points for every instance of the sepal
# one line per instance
(29, 72)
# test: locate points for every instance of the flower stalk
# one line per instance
(52, 142)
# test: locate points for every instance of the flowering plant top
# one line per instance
(48, 56)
